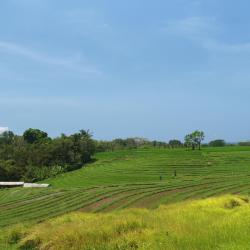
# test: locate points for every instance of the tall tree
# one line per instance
(198, 137)
(194, 139)
(189, 141)
(34, 135)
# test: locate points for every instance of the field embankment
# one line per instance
(215, 223)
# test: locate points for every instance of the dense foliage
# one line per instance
(245, 143)
(129, 143)
(175, 143)
(34, 156)
(217, 143)
(194, 139)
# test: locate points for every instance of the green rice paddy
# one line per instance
(143, 178)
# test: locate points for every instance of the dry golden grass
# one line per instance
(216, 223)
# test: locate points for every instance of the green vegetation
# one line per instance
(34, 156)
(129, 143)
(175, 143)
(132, 178)
(194, 139)
(147, 179)
(34, 136)
(245, 143)
(215, 223)
(217, 143)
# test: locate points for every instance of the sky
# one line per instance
(154, 69)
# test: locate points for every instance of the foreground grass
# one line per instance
(215, 223)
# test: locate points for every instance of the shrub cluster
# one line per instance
(35, 156)
(128, 143)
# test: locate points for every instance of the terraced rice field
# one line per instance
(135, 178)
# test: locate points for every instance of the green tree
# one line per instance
(34, 135)
(244, 143)
(198, 137)
(7, 137)
(34, 156)
(194, 139)
(175, 143)
(217, 143)
(189, 141)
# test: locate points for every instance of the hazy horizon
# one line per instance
(157, 70)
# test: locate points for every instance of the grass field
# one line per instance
(132, 179)
(215, 223)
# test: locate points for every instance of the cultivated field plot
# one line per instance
(135, 178)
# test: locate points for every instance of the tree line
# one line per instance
(128, 143)
(35, 156)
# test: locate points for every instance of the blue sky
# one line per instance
(155, 69)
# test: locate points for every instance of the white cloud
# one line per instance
(3, 129)
(191, 27)
(74, 64)
(203, 31)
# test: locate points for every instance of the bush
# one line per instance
(34, 156)
(217, 143)
(232, 204)
(246, 143)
